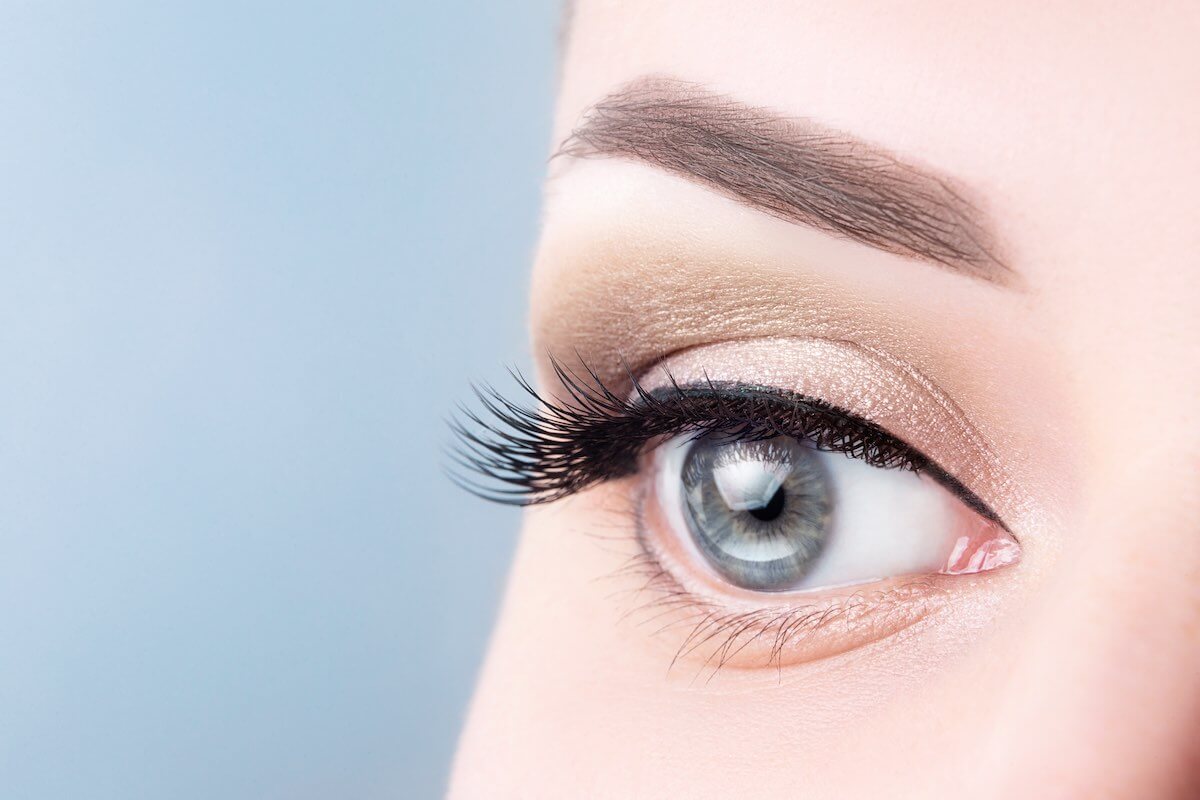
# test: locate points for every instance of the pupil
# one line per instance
(772, 509)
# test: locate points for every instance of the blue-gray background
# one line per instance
(250, 254)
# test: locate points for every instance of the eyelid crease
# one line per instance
(643, 372)
(944, 401)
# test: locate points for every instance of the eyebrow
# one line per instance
(793, 169)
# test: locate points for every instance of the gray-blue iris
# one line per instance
(758, 510)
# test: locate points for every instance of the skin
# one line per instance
(1074, 673)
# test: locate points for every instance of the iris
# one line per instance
(758, 510)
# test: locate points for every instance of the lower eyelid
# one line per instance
(704, 624)
(702, 637)
(704, 629)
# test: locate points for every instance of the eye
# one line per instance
(767, 527)
(780, 515)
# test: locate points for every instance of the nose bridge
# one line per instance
(1103, 699)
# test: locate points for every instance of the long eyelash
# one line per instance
(524, 455)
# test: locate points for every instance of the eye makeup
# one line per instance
(542, 453)
(667, 315)
(586, 435)
(868, 383)
(638, 268)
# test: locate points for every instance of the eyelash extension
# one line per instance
(527, 455)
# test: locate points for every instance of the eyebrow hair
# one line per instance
(793, 169)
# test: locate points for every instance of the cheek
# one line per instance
(576, 692)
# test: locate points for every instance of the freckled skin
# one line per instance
(1073, 673)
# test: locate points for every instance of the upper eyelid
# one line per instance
(536, 470)
(927, 465)
(869, 381)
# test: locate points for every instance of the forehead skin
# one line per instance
(1078, 125)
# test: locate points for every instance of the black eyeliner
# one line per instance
(530, 454)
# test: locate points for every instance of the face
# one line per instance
(865, 458)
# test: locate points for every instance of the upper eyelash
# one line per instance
(524, 455)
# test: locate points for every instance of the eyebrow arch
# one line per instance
(793, 169)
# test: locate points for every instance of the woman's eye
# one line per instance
(780, 515)
(767, 527)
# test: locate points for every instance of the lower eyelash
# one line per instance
(724, 634)
(661, 600)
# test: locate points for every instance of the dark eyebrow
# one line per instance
(793, 169)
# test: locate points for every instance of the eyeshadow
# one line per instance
(867, 382)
